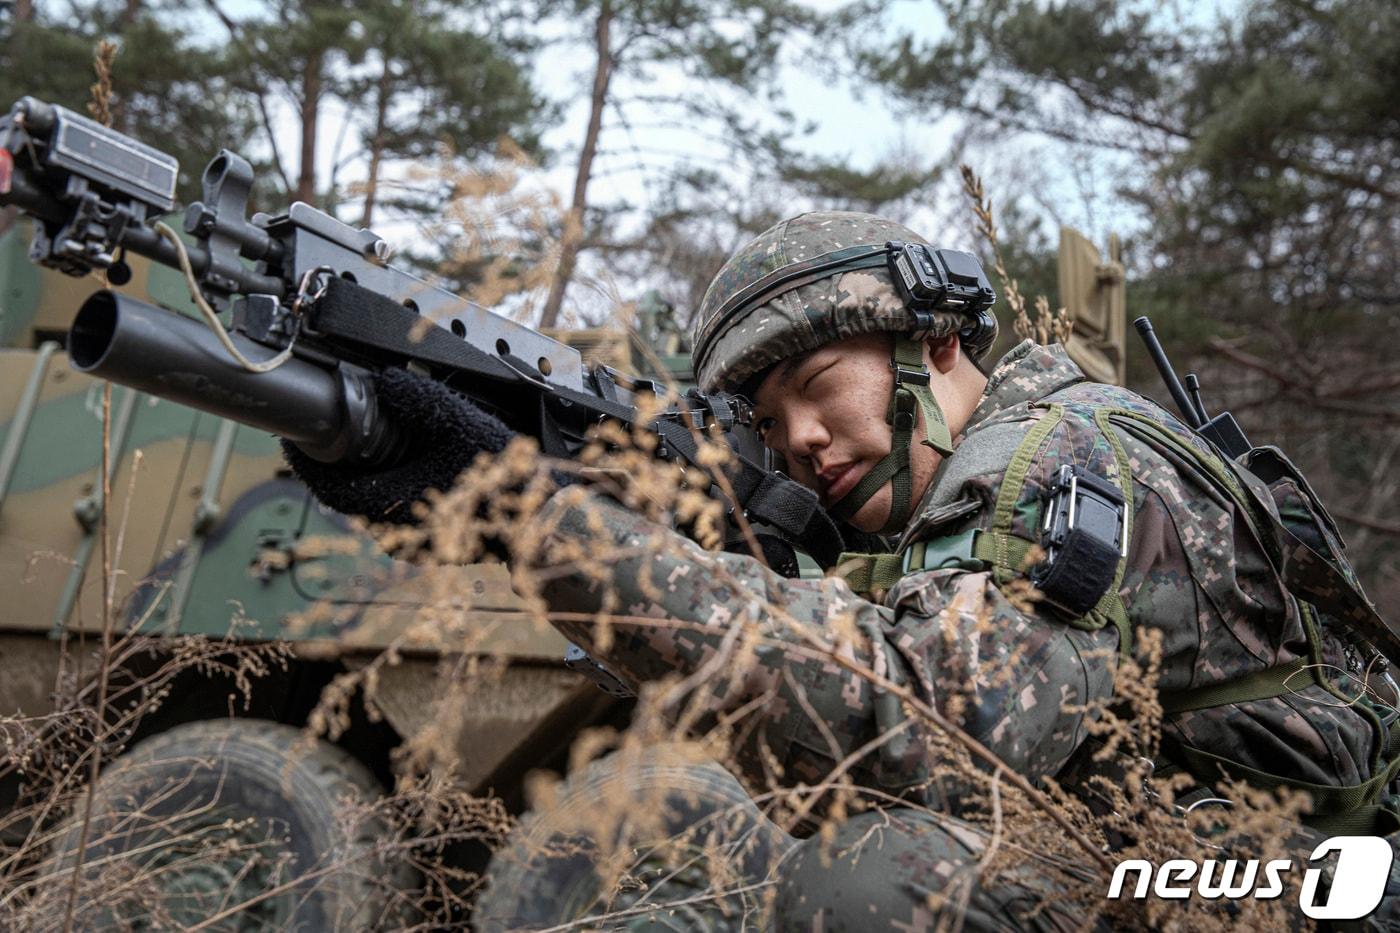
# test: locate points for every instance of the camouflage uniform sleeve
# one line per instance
(951, 637)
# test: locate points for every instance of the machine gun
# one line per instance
(315, 311)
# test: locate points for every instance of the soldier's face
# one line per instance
(824, 411)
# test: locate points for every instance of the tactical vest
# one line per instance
(1284, 516)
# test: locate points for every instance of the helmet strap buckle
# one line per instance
(904, 377)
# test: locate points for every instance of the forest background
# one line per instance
(560, 160)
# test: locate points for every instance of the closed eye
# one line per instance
(807, 383)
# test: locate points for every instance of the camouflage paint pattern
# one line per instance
(58, 466)
(809, 316)
(1011, 677)
(38, 301)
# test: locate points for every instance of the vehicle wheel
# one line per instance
(637, 843)
(196, 821)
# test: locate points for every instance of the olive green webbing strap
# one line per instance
(909, 357)
(1369, 820)
(1210, 464)
(1336, 810)
(1269, 683)
(889, 468)
(870, 573)
(1008, 555)
(1318, 664)
(1351, 807)
(972, 550)
(1011, 554)
(1013, 482)
(1305, 572)
(1261, 685)
(1003, 551)
(1346, 810)
(1110, 606)
(910, 394)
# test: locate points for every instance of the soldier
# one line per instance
(885, 410)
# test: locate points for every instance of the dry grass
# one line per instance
(501, 503)
(1048, 326)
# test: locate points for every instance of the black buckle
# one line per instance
(1082, 502)
(1084, 535)
(902, 376)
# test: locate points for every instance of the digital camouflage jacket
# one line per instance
(1012, 673)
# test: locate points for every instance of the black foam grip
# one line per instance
(448, 433)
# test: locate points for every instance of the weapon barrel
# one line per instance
(325, 412)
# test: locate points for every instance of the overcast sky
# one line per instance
(1061, 185)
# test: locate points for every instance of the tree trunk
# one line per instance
(572, 236)
(310, 107)
(24, 11)
(260, 97)
(376, 145)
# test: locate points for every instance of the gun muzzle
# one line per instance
(329, 413)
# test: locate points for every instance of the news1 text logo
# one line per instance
(1358, 882)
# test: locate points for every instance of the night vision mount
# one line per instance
(927, 280)
(930, 280)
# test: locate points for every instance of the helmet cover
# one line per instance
(732, 348)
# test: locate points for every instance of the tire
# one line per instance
(629, 832)
(209, 815)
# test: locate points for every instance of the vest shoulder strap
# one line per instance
(997, 549)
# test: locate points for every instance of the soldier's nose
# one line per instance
(806, 436)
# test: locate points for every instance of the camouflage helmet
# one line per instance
(779, 296)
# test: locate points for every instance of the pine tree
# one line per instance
(430, 85)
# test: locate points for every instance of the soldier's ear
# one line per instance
(942, 354)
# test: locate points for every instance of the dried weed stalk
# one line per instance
(50, 758)
(100, 108)
(138, 859)
(495, 227)
(1048, 327)
(645, 865)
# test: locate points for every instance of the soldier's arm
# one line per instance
(952, 637)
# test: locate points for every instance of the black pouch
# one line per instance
(1083, 538)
